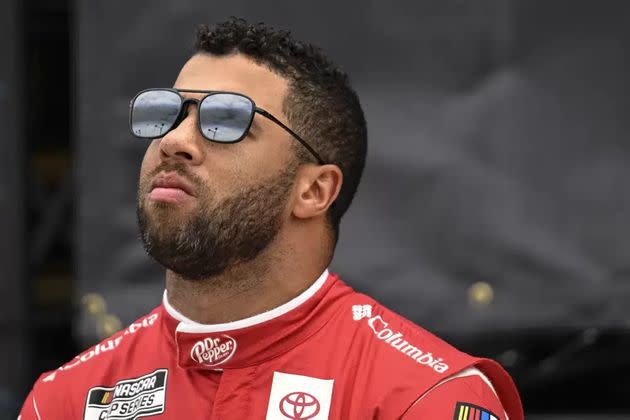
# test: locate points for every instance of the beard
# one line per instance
(214, 236)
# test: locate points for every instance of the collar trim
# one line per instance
(190, 326)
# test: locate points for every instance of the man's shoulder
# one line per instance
(397, 343)
(98, 359)
(60, 393)
(403, 356)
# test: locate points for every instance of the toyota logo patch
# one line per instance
(299, 405)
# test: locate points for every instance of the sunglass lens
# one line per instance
(154, 112)
(224, 117)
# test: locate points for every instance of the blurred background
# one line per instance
(494, 208)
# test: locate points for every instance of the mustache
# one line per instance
(176, 167)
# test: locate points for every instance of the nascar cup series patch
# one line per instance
(466, 411)
(128, 399)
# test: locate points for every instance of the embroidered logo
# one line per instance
(299, 405)
(213, 351)
(397, 340)
(128, 399)
(299, 397)
(466, 411)
(361, 311)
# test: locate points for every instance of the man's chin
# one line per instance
(164, 219)
(166, 211)
(186, 266)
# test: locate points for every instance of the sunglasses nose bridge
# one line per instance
(187, 102)
(183, 110)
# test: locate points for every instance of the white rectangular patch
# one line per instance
(299, 397)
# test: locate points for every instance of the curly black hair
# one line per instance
(320, 106)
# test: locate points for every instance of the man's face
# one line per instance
(237, 194)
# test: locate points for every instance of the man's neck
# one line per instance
(244, 290)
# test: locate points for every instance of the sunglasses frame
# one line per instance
(185, 101)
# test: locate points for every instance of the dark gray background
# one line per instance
(497, 152)
(14, 349)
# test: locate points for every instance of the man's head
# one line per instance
(241, 195)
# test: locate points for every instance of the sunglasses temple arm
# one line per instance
(288, 130)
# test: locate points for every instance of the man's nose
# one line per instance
(184, 142)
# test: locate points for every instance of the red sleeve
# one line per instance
(47, 401)
(462, 398)
(28, 409)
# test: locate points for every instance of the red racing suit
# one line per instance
(330, 353)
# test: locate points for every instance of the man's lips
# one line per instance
(170, 187)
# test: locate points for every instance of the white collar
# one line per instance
(188, 325)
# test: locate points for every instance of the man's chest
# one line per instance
(285, 388)
(299, 385)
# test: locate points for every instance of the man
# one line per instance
(256, 154)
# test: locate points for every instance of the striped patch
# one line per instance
(466, 411)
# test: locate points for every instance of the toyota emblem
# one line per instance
(299, 406)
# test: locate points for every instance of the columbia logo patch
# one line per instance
(466, 411)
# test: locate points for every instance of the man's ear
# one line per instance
(316, 188)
